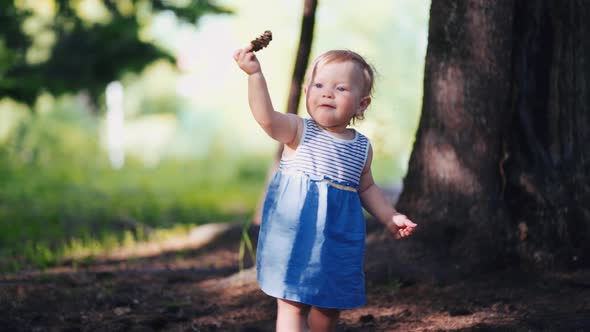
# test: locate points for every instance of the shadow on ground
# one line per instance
(203, 290)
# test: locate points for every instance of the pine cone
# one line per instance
(262, 41)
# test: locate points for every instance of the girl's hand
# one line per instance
(246, 60)
(400, 226)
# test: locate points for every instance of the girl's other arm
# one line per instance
(377, 205)
(285, 128)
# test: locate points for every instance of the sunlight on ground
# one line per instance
(160, 242)
(438, 321)
(197, 238)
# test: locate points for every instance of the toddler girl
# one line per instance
(311, 245)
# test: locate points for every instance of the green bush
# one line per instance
(59, 197)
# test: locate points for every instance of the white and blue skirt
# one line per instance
(311, 245)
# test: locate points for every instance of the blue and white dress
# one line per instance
(311, 245)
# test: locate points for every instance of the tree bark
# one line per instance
(303, 51)
(499, 173)
(548, 160)
(453, 185)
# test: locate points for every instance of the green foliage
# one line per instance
(59, 198)
(85, 55)
(245, 244)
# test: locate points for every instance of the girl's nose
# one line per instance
(327, 94)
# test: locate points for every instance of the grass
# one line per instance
(49, 215)
(62, 210)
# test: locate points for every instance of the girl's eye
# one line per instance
(341, 88)
(318, 85)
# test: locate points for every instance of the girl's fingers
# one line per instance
(239, 54)
(244, 55)
(236, 54)
(403, 232)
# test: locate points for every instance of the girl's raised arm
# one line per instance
(285, 128)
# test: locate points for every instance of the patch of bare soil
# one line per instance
(200, 288)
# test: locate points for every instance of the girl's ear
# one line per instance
(365, 102)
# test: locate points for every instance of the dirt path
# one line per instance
(200, 288)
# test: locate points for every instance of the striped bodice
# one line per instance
(323, 156)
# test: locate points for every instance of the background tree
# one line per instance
(499, 171)
(85, 55)
(303, 51)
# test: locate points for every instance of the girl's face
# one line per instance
(335, 94)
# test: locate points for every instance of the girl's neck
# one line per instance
(341, 132)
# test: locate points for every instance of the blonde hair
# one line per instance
(343, 56)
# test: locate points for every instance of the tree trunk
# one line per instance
(499, 173)
(301, 61)
(303, 51)
(547, 158)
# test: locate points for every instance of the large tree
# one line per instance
(500, 169)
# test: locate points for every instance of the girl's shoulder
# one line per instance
(299, 126)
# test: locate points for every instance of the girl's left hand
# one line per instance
(400, 226)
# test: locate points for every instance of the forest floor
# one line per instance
(200, 287)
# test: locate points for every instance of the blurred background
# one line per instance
(127, 121)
